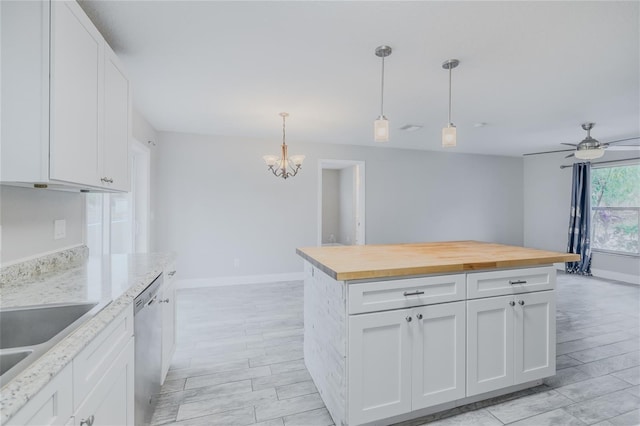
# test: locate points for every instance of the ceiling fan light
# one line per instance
(449, 136)
(589, 154)
(381, 129)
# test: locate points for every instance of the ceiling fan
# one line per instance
(590, 148)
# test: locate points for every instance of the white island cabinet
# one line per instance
(385, 344)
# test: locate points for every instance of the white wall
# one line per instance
(217, 201)
(27, 216)
(330, 205)
(547, 195)
(347, 206)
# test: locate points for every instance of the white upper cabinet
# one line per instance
(67, 100)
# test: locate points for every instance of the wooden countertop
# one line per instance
(393, 260)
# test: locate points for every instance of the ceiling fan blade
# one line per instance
(624, 148)
(570, 144)
(624, 140)
(570, 155)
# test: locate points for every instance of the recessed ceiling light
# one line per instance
(410, 127)
(480, 124)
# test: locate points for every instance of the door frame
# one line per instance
(359, 174)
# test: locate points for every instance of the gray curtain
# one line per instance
(580, 220)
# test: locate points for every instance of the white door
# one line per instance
(76, 95)
(115, 145)
(535, 339)
(379, 366)
(489, 344)
(438, 354)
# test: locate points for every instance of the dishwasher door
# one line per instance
(148, 349)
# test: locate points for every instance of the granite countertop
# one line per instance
(345, 263)
(115, 279)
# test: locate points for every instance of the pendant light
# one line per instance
(449, 133)
(381, 125)
(285, 166)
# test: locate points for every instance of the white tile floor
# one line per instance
(239, 362)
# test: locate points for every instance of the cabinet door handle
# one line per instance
(415, 293)
(419, 316)
(172, 273)
(163, 301)
(521, 302)
(512, 303)
(517, 282)
(409, 319)
(88, 421)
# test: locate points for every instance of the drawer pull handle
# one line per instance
(415, 293)
(419, 316)
(172, 273)
(521, 302)
(408, 318)
(517, 282)
(512, 303)
(88, 421)
(163, 301)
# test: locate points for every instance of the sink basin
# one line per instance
(9, 360)
(34, 325)
(28, 332)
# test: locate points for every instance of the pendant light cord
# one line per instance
(382, 91)
(449, 95)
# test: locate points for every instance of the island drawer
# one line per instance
(405, 293)
(511, 281)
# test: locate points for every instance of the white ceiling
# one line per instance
(533, 71)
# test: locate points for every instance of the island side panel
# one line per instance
(325, 340)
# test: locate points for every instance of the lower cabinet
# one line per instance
(403, 360)
(168, 301)
(510, 340)
(111, 402)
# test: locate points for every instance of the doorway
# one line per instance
(341, 189)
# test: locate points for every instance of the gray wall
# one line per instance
(27, 216)
(547, 194)
(330, 205)
(347, 207)
(216, 201)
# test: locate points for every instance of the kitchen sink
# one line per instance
(9, 360)
(33, 325)
(26, 333)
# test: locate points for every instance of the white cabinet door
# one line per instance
(379, 365)
(168, 301)
(535, 337)
(76, 95)
(115, 145)
(438, 354)
(489, 344)
(111, 402)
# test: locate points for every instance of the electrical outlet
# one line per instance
(236, 263)
(59, 229)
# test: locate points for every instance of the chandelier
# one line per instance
(284, 166)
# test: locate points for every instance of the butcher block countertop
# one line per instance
(344, 263)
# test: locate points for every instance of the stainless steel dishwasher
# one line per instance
(148, 341)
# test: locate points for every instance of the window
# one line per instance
(615, 204)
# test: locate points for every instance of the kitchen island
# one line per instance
(394, 332)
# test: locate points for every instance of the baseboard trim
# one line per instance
(617, 276)
(239, 280)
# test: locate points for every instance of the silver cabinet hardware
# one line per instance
(88, 421)
(163, 301)
(419, 316)
(415, 293)
(408, 318)
(517, 282)
(106, 180)
(521, 302)
(512, 303)
(171, 273)
(150, 302)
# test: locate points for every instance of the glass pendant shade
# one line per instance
(589, 154)
(270, 160)
(449, 136)
(297, 160)
(381, 129)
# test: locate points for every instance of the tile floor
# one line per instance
(239, 362)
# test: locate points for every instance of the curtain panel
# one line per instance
(580, 220)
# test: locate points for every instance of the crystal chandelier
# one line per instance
(284, 166)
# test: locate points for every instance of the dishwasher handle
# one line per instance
(152, 301)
